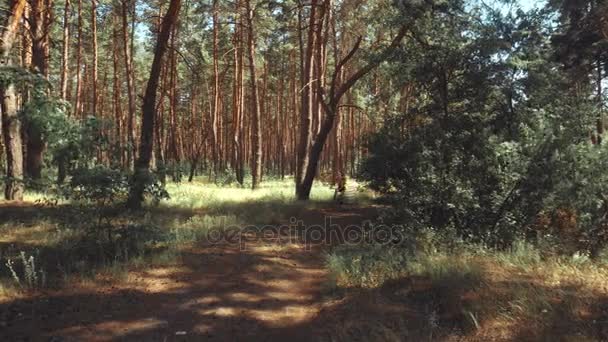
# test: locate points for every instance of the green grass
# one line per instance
(68, 246)
(200, 194)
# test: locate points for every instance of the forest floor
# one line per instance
(267, 284)
(263, 289)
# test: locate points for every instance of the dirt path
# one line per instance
(265, 290)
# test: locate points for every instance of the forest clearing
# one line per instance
(307, 170)
(169, 280)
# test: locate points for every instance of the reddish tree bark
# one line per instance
(11, 126)
(256, 143)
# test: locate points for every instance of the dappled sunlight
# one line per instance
(159, 280)
(37, 235)
(110, 330)
(275, 284)
(269, 285)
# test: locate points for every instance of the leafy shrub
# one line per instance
(105, 186)
(99, 185)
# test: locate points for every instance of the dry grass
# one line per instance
(486, 295)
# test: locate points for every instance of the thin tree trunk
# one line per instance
(216, 89)
(130, 84)
(237, 99)
(117, 90)
(256, 167)
(66, 51)
(94, 75)
(77, 101)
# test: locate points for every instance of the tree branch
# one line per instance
(341, 64)
(335, 99)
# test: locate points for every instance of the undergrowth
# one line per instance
(482, 293)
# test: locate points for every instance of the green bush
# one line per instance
(487, 152)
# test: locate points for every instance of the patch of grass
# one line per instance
(481, 294)
(199, 194)
(521, 254)
(367, 267)
(71, 245)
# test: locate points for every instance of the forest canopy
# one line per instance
(475, 116)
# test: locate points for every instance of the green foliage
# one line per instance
(493, 136)
(104, 186)
(98, 185)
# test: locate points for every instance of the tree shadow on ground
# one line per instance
(243, 303)
(69, 239)
(255, 288)
(269, 290)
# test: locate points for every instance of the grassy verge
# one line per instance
(479, 294)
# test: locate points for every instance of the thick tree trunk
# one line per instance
(35, 142)
(256, 143)
(11, 130)
(142, 166)
(39, 33)
(306, 105)
(11, 126)
(315, 154)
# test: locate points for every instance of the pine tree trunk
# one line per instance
(117, 91)
(66, 51)
(256, 143)
(332, 104)
(237, 101)
(216, 90)
(306, 105)
(130, 84)
(35, 142)
(94, 79)
(142, 166)
(78, 95)
(11, 126)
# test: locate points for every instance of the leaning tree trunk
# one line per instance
(332, 104)
(142, 167)
(11, 126)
